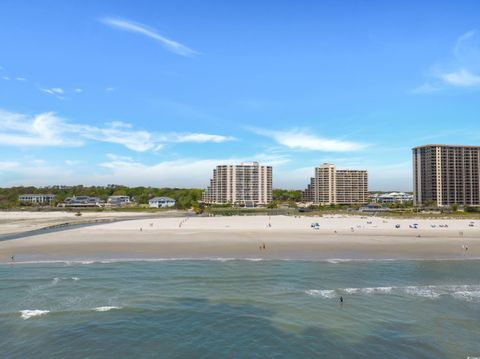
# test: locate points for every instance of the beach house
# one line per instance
(118, 201)
(161, 202)
(37, 199)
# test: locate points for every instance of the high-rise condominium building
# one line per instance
(247, 184)
(444, 175)
(332, 186)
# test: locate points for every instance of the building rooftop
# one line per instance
(440, 145)
(161, 199)
(37, 194)
(249, 164)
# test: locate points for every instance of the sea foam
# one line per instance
(325, 293)
(469, 296)
(105, 309)
(470, 293)
(27, 314)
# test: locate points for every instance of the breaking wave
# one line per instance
(105, 309)
(470, 293)
(27, 314)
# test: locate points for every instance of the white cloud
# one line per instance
(139, 141)
(78, 90)
(21, 79)
(114, 157)
(302, 140)
(72, 162)
(45, 129)
(48, 129)
(130, 26)
(119, 124)
(53, 91)
(427, 88)
(6, 78)
(461, 78)
(461, 71)
(7, 165)
(179, 173)
(191, 172)
(187, 172)
(109, 89)
(201, 137)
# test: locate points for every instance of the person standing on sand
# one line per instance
(263, 245)
(341, 299)
(12, 258)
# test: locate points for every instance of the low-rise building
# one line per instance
(161, 202)
(118, 201)
(38, 199)
(393, 197)
(82, 201)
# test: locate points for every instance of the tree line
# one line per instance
(184, 197)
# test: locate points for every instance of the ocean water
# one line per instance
(240, 309)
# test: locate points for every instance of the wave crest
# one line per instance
(27, 313)
(105, 309)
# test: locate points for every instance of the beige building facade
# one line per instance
(446, 174)
(332, 186)
(246, 185)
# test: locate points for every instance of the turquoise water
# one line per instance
(240, 309)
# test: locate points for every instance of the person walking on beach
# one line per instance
(12, 258)
(263, 245)
(341, 300)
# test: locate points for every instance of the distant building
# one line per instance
(374, 207)
(332, 186)
(82, 201)
(42, 199)
(118, 201)
(247, 184)
(446, 175)
(161, 202)
(393, 197)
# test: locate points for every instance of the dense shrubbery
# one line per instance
(287, 195)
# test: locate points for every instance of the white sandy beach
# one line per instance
(341, 237)
(21, 221)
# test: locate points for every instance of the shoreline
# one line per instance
(66, 220)
(285, 238)
(226, 259)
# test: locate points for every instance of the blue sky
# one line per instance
(158, 93)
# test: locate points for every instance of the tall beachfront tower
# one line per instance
(247, 185)
(445, 174)
(332, 186)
